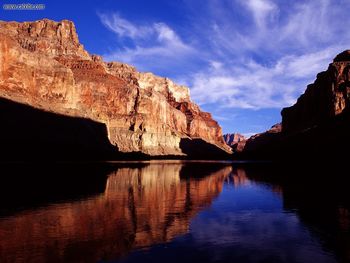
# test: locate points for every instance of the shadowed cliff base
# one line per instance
(200, 149)
(327, 142)
(32, 185)
(316, 128)
(29, 134)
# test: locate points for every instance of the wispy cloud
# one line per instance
(151, 44)
(123, 27)
(263, 11)
(238, 54)
(270, 57)
(251, 85)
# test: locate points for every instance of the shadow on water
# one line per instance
(25, 186)
(80, 215)
(318, 194)
(173, 211)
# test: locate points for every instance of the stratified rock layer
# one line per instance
(42, 64)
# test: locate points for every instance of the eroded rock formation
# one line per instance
(42, 64)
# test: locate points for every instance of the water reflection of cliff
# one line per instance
(318, 195)
(140, 207)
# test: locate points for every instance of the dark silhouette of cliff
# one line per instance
(202, 150)
(30, 134)
(317, 126)
(28, 185)
(329, 141)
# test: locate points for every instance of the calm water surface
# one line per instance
(173, 212)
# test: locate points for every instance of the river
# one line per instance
(173, 211)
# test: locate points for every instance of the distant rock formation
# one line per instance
(259, 145)
(42, 64)
(261, 140)
(233, 138)
(316, 126)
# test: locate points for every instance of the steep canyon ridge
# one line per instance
(43, 65)
(316, 126)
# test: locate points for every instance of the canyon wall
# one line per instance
(42, 64)
(326, 98)
(316, 127)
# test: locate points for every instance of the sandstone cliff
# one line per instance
(42, 64)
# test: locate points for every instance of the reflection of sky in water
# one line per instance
(246, 223)
(171, 212)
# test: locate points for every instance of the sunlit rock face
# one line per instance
(327, 97)
(42, 64)
(233, 138)
(140, 207)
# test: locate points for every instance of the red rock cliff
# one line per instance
(42, 64)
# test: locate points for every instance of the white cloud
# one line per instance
(255, 86)
(255, 54)
(216, 64)
(263, 11)
(266, 60)
(154, 43)
(124, 28)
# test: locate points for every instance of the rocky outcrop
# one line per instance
(233, 138)
(42, 64)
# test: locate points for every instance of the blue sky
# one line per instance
(243, 59)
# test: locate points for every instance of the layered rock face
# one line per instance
(233, 138)
(326, 98)
(42, 64)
